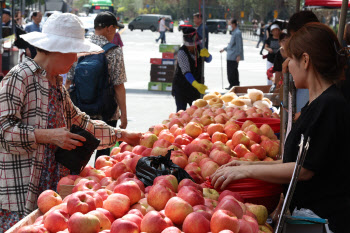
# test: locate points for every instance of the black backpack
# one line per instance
(92, 91)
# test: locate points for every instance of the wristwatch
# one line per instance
(119, 133)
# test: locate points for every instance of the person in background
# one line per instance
(6, 18)
(187, 84)
(316, 61)
(261, 33)
(198, 21)
(272, 46)
(162, 30)
(234, 54)
(35, 115)
(266, 35)
(34, 26)
(279, 59)
(19, 19)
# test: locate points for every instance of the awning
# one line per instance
(324, 3)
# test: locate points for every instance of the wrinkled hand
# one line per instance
(61, 137)
(200, 87)
(123, 121)
(204, 53)
(225, 175)
(132, 138)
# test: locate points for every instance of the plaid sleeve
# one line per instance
(15, 137)
(98, 128)
(116, 66)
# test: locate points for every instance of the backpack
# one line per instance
(92, 92)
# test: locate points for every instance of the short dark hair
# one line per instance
(234, 21)
(299, 19)
(198, 15)
(282, 36)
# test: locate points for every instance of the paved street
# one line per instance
(146, 108)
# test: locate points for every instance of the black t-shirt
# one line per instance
(326, 121)
(274, 45)
(277, 64)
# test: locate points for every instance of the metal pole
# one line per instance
(284, 113)
(1, 22)
(343, 13)
(13, 16)
(297, 8)
(203, 40)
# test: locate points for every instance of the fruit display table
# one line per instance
(28, 220)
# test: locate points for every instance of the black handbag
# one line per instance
(75, 160)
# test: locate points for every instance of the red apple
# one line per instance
(193, 129)
(33, 229)
(183, 139)
(220, 157)
(105, 223)
(158, 196)
(252, 222)
(177, 209)
(230, 129)
(210, 203)
(56, 221)
(191, 195)
(251, 156)
(166, 135)
(136, 212)
(193, 167)
(130, 189)
(148, 140)
(139, 149)
(80, 202)
(208, 168)
(224, 220)
(133, 218)
(267, 131)
(108, 214)
(190, 148)
(231, 205)
(47, 200)
(204, 136)
(83, 223)
(97, 173)
(235, 195)
(158, 128)
(115, 151)
(64, 181)
(118, 204)
(215, 128)
(179, 158)
(206, 120)
(161, 143)
(188, 182)
(240, 137)
(103, 161)
(172, 229)
(241, 150)
(271, 148)
(155, 222)
(86, 185)
(156, 151)
(219, 137)
(104, 193)
(85, 171)
(259, 151)
(118, 169)
(196, 223)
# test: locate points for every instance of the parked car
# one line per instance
(183, 24)
(217, 25)
(150, 22)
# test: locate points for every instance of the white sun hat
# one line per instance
(63, 33)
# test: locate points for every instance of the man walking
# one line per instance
(162, 30)
(198, 21)
(234, 54)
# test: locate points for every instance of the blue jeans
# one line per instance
(161, 37)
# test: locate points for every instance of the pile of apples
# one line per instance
(165, 207)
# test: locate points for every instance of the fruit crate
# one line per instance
(168, 48)
(155, 86)
(65, 190)
(167, 86)
(28, 220)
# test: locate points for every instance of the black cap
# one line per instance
(106, 19)
(190, 34)
(6, 11)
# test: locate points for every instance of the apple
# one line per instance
(173, 181)
(268, 159)
(156, 151)
(235, 195)
(252, 222)
(220, 157)
(103, 161)
(105, 223)
(183, 139)
(108, 214)
(161, 143)
(133, 163)
(179, 158)
(83, 223)
(118, 204)
(241, 150)
(193, 129)
(196, 177)
(221, 118)
(240, 137)
(155, 222)
(244, 226)
(130, 189)
(190, 148)
(231, 205)
(172, 229)
(177, 209)
(204, 136)
(271, 148)
(64, 181)
(230, 129)
(62, 206)
(80, 202)
(224, 220)
(161, 180)
(115, 151)
(148, 140)
(142, 206)
(118, 169)
(56, 221)
(166, 135)
(223, 147)
(208, 168)
(254, 136)
(97, 173)
(85, 171)
(33, 229)
(191, 109)
(147, 152)
(191, 195)
(136, 212)
(175, 121)
(196, 223)
(217, 136)
(251, 156)
(210, 203)
(158, 196)
(97, 198)
(206, 120)
(133, 218)
(215, 128)
(267, 131)
(47, 200)
(254, 129)
(259, 211)
(196, 157)
(139, 149)
(188, 182)
(247, 123)
(211, 193)
(158, 128)
(193, 167)
(85, 185)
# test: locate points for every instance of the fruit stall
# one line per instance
(214, 131)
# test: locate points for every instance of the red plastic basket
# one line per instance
(256, 191)
(259, 121)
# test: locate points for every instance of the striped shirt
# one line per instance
(23, 108)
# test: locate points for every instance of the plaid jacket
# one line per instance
(23, 108)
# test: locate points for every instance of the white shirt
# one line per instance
(162, 27)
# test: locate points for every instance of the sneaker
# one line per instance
(228, 88)
(156, 40)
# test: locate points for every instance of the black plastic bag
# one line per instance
(148, 168)
(75, 160)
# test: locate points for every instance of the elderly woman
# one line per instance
(316, 62)
(35, 115)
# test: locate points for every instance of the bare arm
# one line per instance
(60, 137)
(121, 100)
(277, 173)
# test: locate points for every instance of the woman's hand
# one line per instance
(131, 138)
(66, 140)
(225, 175)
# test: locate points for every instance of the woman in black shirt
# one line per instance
(316, 62)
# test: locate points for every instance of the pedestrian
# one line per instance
(6, 22)
(162, 29)
(272, 46)
(19, 19)
(279, 59)
(36, 113)
(234, 55)
(266, 35)
(261, 33)
(316, 61)
(34, 26)
(187, 84)
(198, 21)
(105, 25)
